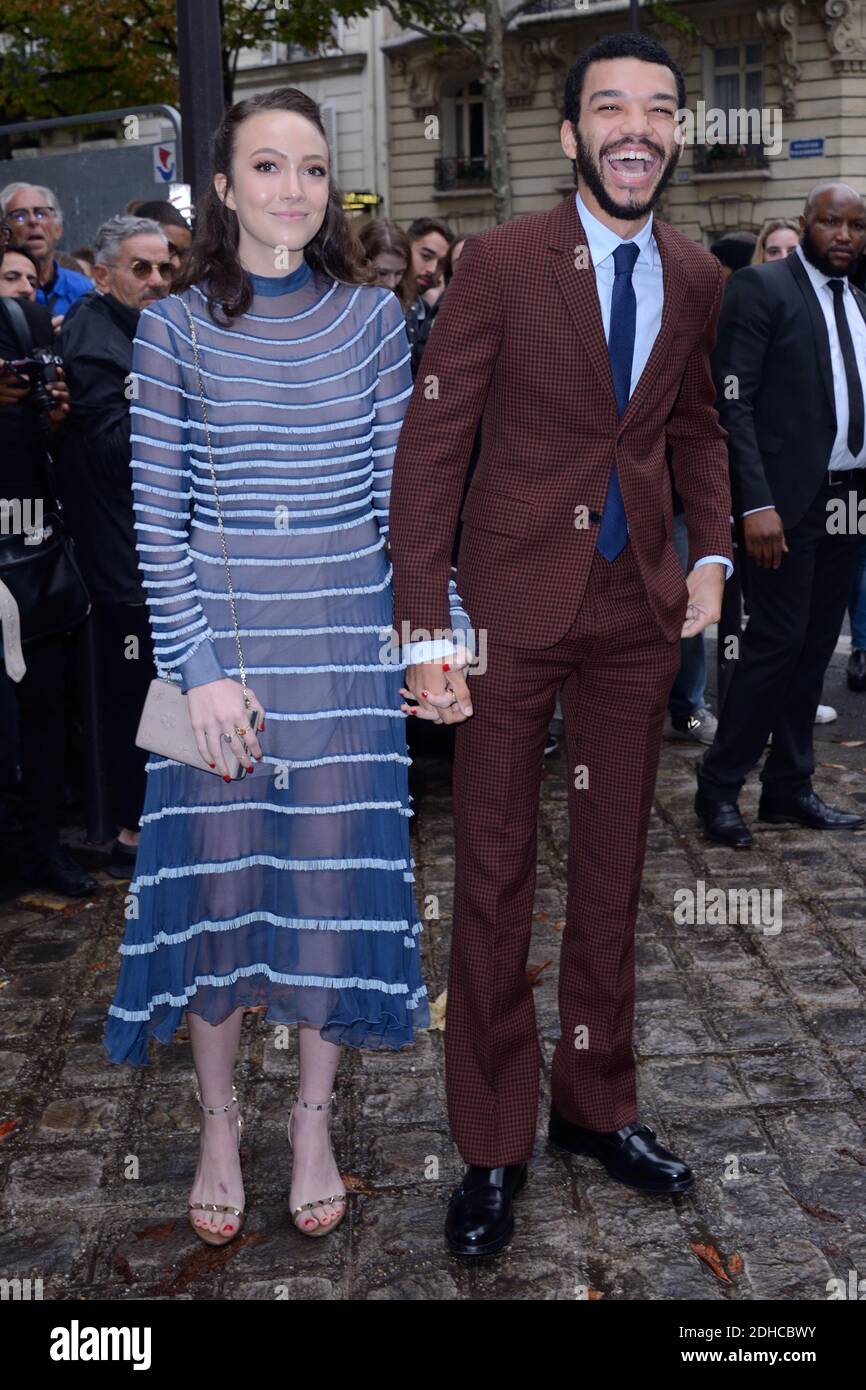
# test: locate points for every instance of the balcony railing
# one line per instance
(460, 173)
(724, 159)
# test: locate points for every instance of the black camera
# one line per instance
(38, 370)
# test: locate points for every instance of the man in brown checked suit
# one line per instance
(579, 338)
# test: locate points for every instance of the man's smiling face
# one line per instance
(624, 141)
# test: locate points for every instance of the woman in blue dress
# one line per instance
(289, 887)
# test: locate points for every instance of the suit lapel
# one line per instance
(820, 336)
(579, 291)
(576, 280)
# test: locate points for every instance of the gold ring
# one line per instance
(241, 731)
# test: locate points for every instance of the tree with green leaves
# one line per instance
(67, 59)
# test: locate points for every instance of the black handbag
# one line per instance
(38, 566)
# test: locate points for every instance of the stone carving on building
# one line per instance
(780, 26)
(845, 21)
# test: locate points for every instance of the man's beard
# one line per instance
(822, 262)
(591, 174)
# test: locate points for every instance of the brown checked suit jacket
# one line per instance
(519, 345)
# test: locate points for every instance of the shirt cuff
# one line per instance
(716, 560)
(200, 668)
(416, 653)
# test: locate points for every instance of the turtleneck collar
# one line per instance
(280, 284)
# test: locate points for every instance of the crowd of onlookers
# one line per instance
(82, 308)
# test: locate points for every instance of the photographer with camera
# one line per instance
(132, 268)
(41, 595)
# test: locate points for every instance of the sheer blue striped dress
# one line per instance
(292, 887)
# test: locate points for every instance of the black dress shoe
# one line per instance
(56, 869)
(807, 808)
(631, 1155)
(857, 669)
(480, 1219)
(722, 822)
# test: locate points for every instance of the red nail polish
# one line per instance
(261, 726)
(226, 779)
(211, 764)
(250, 768)
(426, 694)
(445, 666)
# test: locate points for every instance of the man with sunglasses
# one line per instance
(131, 269)
(36, 220)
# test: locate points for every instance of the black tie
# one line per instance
(852, 376)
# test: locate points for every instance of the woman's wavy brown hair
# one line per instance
(381, 235)
(213, 260)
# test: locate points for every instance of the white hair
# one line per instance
(51, 200)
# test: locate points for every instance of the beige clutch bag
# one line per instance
(164, 727)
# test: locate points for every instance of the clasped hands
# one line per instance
(440, 689)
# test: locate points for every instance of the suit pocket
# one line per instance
(499, 512)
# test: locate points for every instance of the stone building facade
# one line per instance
(802, 63)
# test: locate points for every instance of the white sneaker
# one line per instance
(825, 714)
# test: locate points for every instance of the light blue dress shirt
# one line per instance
(648, 280)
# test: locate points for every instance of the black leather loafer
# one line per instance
(56, 869)
(480, 1219)
(631, 1155)
(807, 809)
(857, 670)
(722, 822)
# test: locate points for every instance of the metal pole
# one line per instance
(202, 101)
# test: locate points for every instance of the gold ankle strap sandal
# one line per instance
(320, 1230)
(218, 1237)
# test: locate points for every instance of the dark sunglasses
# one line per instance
(141, 269)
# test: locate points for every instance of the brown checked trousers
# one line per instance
(614, 669)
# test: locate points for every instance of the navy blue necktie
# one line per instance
(613, 532)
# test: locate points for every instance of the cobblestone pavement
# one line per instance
(751, 1065)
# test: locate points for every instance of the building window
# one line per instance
(736, 83)
(464, 139)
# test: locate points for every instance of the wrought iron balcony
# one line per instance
(724, 159)
(462, 172)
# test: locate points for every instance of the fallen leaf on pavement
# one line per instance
(437, 1011)
(534, 971)
(353, 1183)
(712, 1259)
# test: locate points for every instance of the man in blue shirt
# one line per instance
(35, 217)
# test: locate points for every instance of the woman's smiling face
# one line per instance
(279, 189)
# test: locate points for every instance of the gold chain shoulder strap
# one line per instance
(231, 591)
